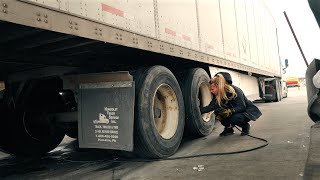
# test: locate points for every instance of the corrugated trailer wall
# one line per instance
(242, 31)
(178, 22)
(252, 33)
(210, 27)
(243, 36)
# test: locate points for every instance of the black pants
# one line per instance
(236, 119)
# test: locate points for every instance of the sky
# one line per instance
(305, 28)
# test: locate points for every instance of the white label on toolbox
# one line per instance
(106, 128)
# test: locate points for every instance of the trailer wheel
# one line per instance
(27, 130)
(159, 113)
(31, 134)
(195, 88)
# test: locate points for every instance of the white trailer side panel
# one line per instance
(136, 16)
(266, 38)
(178, 22)
(274, 59)
(229, 29)
(211, 37)
(275, 55)
(252, 33)
(259, 28)
(237, 34)
(243, 37)
(270, 34)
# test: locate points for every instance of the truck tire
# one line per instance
(195, 88)
(26, 129)
(159, 113)
(30, 133)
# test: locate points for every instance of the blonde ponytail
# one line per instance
(223, 87)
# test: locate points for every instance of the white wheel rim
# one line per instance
(205, 99)
(165, 111)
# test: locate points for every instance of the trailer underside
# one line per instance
(25, 48)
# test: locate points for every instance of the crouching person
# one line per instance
(230, 105)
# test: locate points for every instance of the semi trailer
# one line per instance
(126, 75)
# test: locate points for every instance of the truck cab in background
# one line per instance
(275, 90)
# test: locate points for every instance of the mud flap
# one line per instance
(262, 89)
(106, 115)
(313, 85)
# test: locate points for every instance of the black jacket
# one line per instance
(240, 104)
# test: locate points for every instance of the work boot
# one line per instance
(227, 132)
(245, 129)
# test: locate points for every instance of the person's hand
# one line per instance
(226, 113)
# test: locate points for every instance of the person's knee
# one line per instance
(238, 119)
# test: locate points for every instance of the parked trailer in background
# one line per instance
(126, 75)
